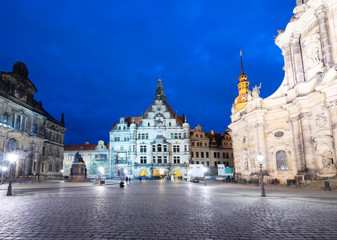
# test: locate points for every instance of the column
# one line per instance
(297, 53)
(307, 141)
(320, 14)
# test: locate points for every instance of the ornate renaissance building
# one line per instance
(153, 145)
(27, 129)
(296, 127)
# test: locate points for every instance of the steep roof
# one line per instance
(84, 147)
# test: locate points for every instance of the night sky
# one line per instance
(96, 61)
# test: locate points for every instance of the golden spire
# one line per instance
(243, 87)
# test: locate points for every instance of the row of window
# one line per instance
(207, 163)
(216, 155)
(50, 167)
(19, 122)
(160, 148)
(159, 159)
(178, 136)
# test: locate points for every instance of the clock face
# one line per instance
(159, 109)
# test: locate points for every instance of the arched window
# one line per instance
(281, 160)
(12, 144)
(159, 148)
(50, 167)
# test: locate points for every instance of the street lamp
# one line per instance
(12, 157)
(204, 169)
(4, 169)
(260, 159)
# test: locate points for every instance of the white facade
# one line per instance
(94, 156)
(296, 127)
(154, 145)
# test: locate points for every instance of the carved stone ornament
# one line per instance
(321, 120)
(305, 115)
(312, 50)
(256, 91)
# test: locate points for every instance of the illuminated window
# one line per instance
(281, 160)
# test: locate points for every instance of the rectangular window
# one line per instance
(185, 148)
(192, 162)
(207, 155)
(176, 148)
(154, 159)
(215, 164)
(159, 159)
(165, 159)
(205, 144)
(202, 154)
(139, 135)
(207, 163)
(143, 148)
(197, 162)
(218, 154)
(223, 155)
(165, 148)
(147, 136)
(192, 154)
(179, 135)
(176, 160)
(153, 148)
(196, 154)
(214, 154)
(175, 135)
(143, 135)
(172, 136)
(143, 160)
(227, 155)
(193, 144)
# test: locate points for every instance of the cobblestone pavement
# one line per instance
(167, 210)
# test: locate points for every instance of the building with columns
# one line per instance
(296, 127)
(27, 129)
(155, 144)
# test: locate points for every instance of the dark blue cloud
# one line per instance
(97, 61)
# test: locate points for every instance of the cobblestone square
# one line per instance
(167, 210)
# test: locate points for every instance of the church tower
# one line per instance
(241, 101)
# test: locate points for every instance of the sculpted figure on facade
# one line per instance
(328, 161)
(321, 120)
(312, 51)
(256, 91)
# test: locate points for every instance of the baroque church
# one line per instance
(156, 144)
(27, 129)
(296, 127)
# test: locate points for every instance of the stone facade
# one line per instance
(94, 156)
(154, 145)
(211, 149)
(295, 128)
(27, 129)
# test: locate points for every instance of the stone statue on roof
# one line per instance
(160, 95)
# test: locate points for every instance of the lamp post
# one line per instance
(260, 159)
(204, 170)
(4, 169)
(12, 158)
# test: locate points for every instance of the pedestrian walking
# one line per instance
(129, 179)
(126, 179)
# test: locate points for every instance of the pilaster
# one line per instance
(297, 56)
(320, 14)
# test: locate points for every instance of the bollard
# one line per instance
(327, 186)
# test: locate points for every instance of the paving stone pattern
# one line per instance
(166, 210)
